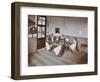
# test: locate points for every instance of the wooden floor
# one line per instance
(47, 58)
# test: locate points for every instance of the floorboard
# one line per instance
(47, 58)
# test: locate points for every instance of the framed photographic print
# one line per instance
(51, 40)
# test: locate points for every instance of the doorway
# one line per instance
(41, 34)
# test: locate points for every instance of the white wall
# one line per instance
(73, 26)
(5, 41)
(54, 22)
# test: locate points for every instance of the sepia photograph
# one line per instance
(57, 40)
(50, 40)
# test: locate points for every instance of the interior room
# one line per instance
(57, 40)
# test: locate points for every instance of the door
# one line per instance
(41, 35)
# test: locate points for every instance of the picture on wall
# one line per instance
(53, 40)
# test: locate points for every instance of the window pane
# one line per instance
(43, 35)
(39, 29)
(39, 22)
(43, 22)
(43, 29)
(39, 35)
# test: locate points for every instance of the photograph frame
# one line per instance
(15, 39)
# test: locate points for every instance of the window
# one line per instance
(57, 30)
